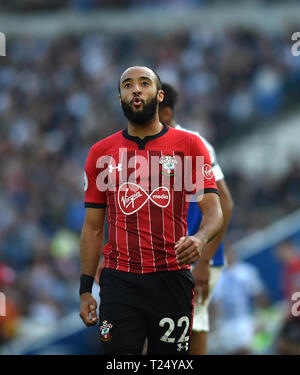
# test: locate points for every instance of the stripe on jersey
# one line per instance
(132, 223)
(156, 216)
(138, 230)
(150, 228)
(179, 197)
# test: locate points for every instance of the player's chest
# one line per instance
(143, 167)
(134, 177)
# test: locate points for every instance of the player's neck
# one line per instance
(151, 128)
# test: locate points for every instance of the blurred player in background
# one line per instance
(208, 268)
(240, 292)
(146, 285)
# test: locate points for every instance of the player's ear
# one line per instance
(160, 96)
(120, 100)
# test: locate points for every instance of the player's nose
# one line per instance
(136, 90)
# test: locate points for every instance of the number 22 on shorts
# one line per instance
(184, 320)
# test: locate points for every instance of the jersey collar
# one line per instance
(142, 142)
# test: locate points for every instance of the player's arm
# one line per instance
(227, 207)
(188, 249)
(91, 243)
(225, 200)
(201, 271)
(92, 235)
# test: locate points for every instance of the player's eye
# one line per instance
(127, 85)
(145, 83)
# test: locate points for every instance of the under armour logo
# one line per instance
(118, 167)
(183, 347)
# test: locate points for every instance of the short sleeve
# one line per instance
(93, 197)
(203, 173)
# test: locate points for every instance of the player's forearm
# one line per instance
(211, 224)
(227, 208)
(91, 243)
(212, 246)
(226, 202)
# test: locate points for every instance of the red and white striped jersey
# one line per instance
(146, 185)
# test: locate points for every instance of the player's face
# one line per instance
(139, 95)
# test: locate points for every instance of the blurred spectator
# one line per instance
(238, 293)
(86, 5)
(8, 323)
(289, 254)
(289, 186)
(7, 275)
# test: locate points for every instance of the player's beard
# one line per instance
(140, 117)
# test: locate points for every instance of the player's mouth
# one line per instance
(136, 101)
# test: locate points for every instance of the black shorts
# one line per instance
(156, 305)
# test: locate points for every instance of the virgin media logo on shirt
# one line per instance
(132, 197)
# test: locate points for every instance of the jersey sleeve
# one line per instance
(203, 174)
(218, 173)
(93, 197)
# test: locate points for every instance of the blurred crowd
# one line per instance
(59, 96)
(244, 320)
(86, 5)
(259, 203)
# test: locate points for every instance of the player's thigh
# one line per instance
(122, 329)
(169, 321)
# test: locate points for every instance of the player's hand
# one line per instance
(88, 307)
(201, 275)
(188, 249)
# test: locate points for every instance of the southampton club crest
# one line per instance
(104, 330)
(168, 165)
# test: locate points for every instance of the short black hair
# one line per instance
(170, 97)
(158, 82)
